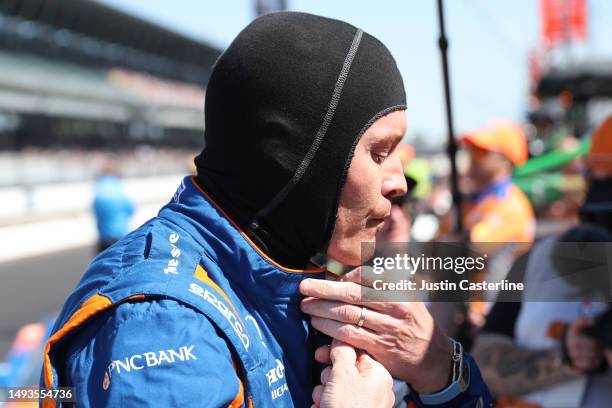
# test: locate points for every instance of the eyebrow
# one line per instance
(392, 140)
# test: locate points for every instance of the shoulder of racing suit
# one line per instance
(152, 353)
(128, 333)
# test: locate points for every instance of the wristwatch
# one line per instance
(459, 382)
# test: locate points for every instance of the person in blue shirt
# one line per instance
(204, 305)
(112, 208)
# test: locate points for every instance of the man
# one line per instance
(523, 357)
(496, 210)
(200, 306)
(498, 219)
(112, 209)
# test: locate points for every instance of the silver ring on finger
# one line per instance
(362, 317)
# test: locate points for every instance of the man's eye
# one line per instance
(379, 157)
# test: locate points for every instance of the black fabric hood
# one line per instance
(285, 106)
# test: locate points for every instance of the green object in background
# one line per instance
(551, 160)
(541, 189)
(419, 170)
(539, 180)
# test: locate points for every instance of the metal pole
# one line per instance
(451, 147)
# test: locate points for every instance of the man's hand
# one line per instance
(401, 336)
(585, 353)
(353, 380)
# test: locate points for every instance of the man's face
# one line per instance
(374, 177)
(397, 226)
(484, 166)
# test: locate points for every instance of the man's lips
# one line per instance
(374, 221)
(383, 216)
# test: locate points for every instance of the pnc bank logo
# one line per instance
(149, 359)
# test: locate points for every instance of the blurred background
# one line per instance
(101, 114)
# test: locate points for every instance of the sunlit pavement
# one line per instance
(40, 263)
(34, 288)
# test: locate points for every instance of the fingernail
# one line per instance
(305, 286)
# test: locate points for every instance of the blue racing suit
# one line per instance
(187, 311)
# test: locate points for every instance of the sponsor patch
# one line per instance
(225, 311)
(145, 360)
(175, 253)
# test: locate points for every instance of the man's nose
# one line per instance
(394, 183)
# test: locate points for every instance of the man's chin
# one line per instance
(367, 250)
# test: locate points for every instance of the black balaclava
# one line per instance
(286, 104)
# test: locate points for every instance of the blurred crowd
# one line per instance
(39, 166)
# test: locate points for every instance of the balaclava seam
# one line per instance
(346, 66)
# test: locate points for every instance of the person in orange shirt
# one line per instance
(497, 210)
(599, 159)
(498, 219)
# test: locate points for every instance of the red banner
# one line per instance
(562, 21)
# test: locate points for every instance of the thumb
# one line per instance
(360, 276)
(352, 276)
(342, 354)
(366, 364)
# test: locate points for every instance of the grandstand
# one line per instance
(77, 74)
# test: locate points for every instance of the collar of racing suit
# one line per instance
(245, 265)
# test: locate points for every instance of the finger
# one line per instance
(358, 337)
(322, 355)
(372, 370)
(342, 353)
(346, 277)
(352, 276)
(361, 275)
(317, 394)
(366, 363)
(347, 313)
(346, 292)
(325, 375)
